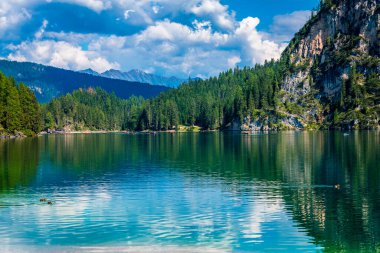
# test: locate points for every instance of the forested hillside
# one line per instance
(92, 109)
(50, 82)
(210, 104)
(215, 103)
(19, 109)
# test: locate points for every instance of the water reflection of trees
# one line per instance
(93, 154)
(341, 220)
(18, 162)
(307, 165)
(302, 167)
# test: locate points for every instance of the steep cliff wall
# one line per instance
(343, 34)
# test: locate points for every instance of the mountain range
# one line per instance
(140, 76)
(49, 82)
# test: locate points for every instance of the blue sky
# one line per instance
(168, 37)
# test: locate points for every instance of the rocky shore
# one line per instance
(15, 135)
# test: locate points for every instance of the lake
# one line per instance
(209, 192)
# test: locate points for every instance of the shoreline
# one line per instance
(9, 136)
(199, 132)
(122, 132)
(22, 136)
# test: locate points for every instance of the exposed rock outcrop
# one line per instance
(15, 135)
(343, 33)
(334, 61)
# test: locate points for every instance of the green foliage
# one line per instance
(209, 104)
(327, 4)
(93, 109)
(359, 102)
(13, 111)
(216, 102)
(293, 108)
(19, 109)
(31, 115)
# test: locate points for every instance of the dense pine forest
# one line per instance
(215, 103)
(92, 109)
(210, 104)
(19, 109)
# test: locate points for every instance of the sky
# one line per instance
(183, 38)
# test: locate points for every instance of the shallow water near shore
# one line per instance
(189, 192)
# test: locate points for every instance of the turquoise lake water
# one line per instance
(210, 192)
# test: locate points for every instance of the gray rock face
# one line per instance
(293, 122)
(290, 122)
(15, 135)
(338, 36)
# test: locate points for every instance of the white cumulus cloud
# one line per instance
(233, 61)
(217, 12)
(95, 5)
(12, 14)
(253, 43)
(177, 49)
(60, 54)
(166, 47)
(211, 40)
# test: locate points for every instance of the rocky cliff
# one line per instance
(330, 72)
(342, 34)
(335, 59)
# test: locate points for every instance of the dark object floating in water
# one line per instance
(337, 186)
(49, 202)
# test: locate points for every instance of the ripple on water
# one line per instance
(193, 193)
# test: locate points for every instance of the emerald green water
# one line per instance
(209, 192)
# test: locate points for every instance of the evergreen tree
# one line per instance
(3, 81)
(13, 111)
(31, 117)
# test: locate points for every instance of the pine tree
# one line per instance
(13, 111)
(49, 120)
(31, 116)
(2, 99)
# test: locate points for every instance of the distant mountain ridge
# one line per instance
(90, 72)
(50, 82)
(140, 76)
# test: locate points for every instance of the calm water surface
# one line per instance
(192, 192)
